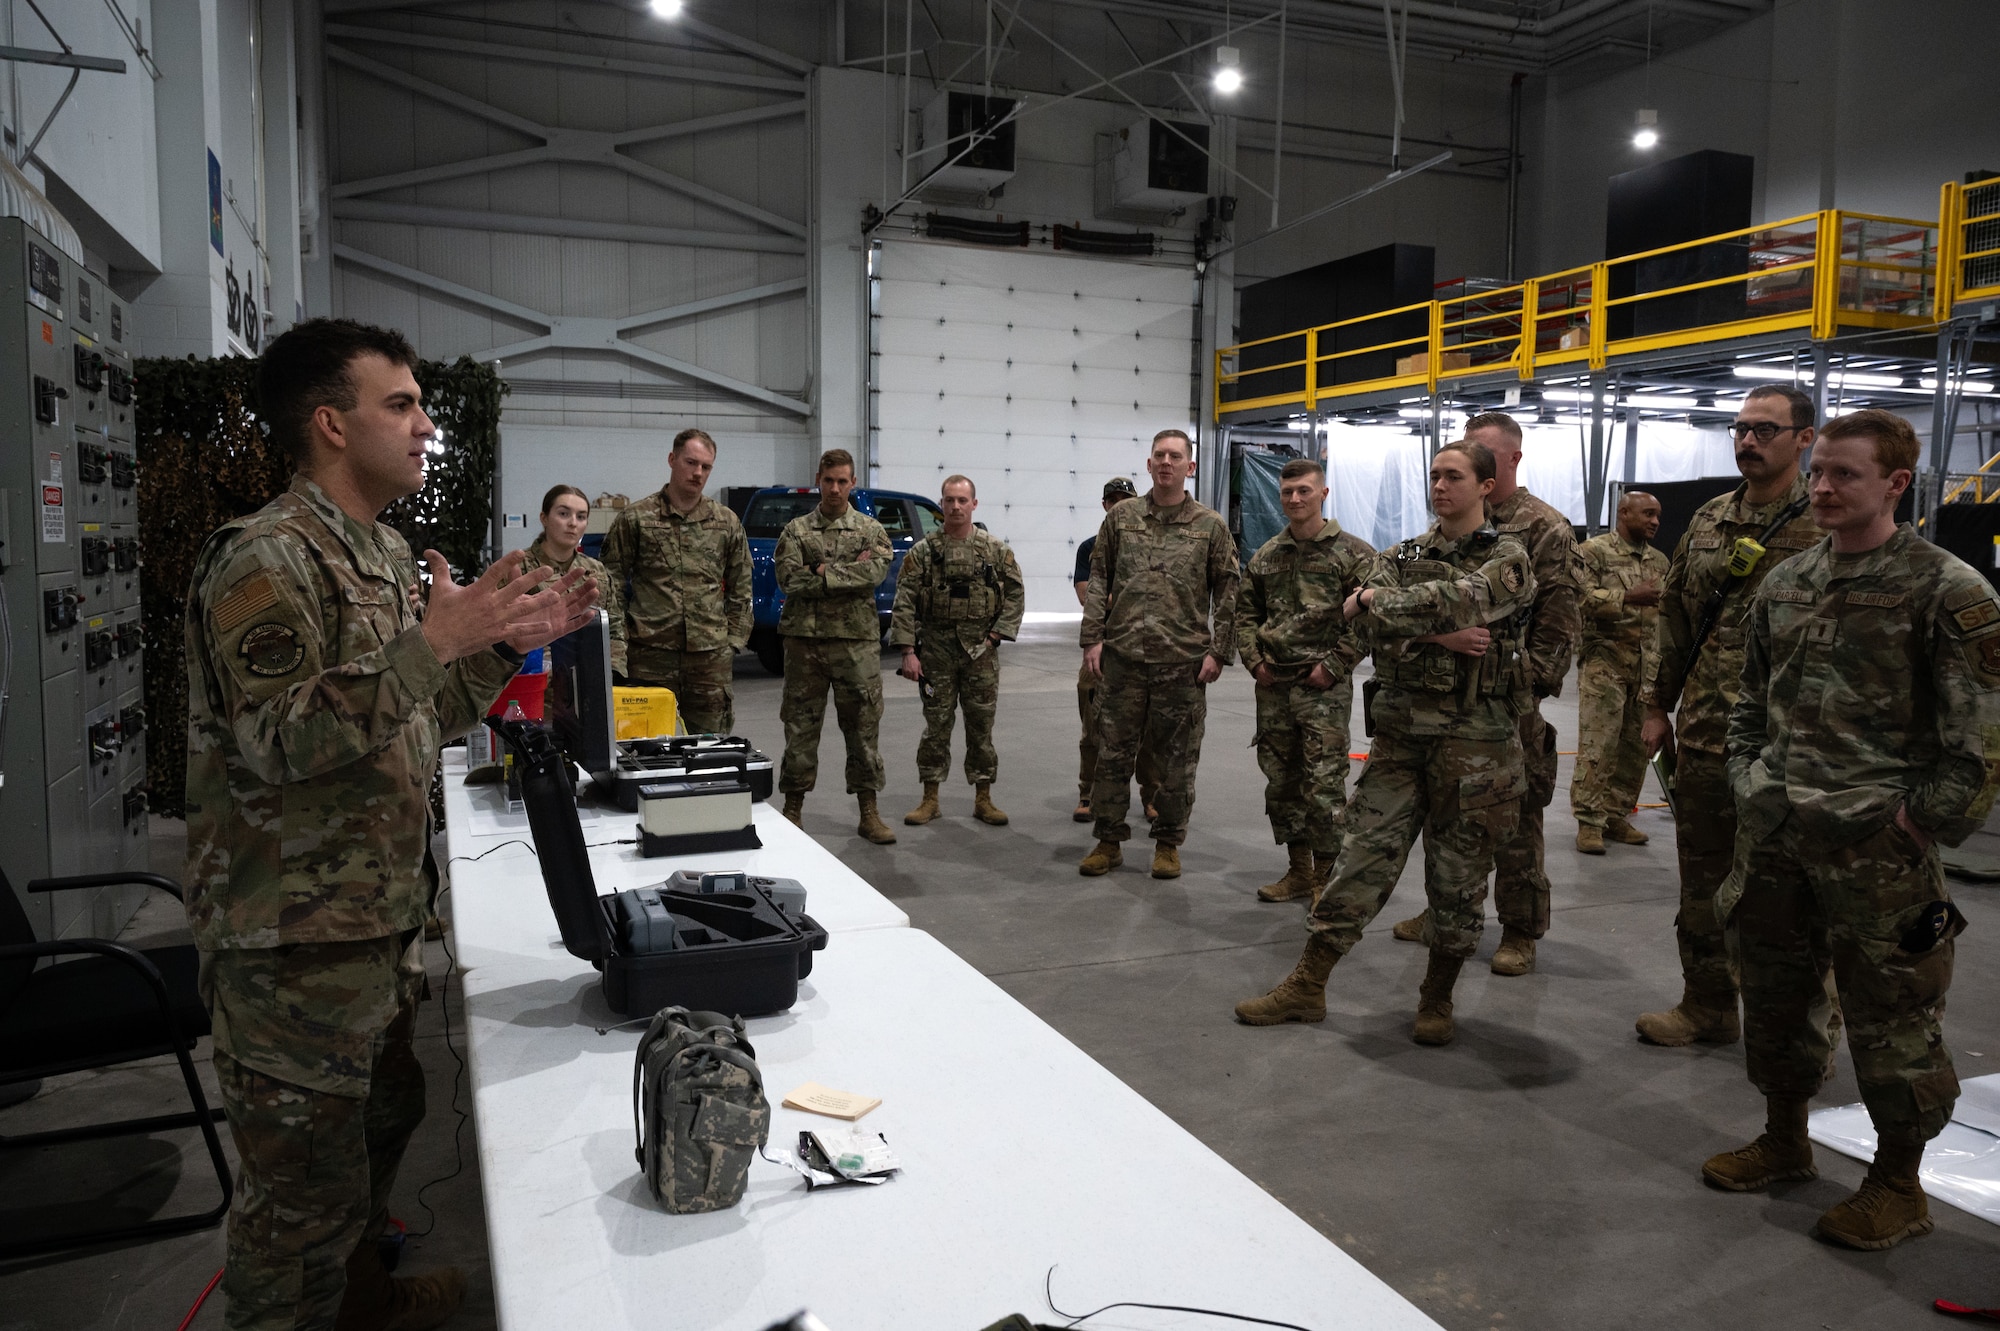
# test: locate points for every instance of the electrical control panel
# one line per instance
(73, 720)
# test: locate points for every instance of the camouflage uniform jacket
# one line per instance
(965, 589)
(315, 711)
(1288, 612)
(1625, 635)
(538, 556)
(1551, 545)
(689, 576)
(1869, 681)
(1706, 688)
(1432, 584)
(1157, 577)
(839, 603)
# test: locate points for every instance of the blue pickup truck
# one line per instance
(907, 518)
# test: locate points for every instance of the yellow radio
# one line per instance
(1743, 557)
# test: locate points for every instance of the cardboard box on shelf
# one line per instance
(1574, 338)
(1420, 363)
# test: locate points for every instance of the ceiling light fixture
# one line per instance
(1648, 132)
(666, 8)
(1228, 69)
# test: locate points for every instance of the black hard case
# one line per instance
(751, 967)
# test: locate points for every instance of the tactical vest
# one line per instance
(1432, 668)
(961, 584)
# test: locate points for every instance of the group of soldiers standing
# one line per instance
(1828, 682)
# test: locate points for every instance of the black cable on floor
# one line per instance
(488, 851)
(1048, 1293)
(458, 1077)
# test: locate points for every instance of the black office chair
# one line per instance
(116, 1005)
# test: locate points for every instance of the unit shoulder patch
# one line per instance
(1976, 616)
(1512, 578)
(272, 650)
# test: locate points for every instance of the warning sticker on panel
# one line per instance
(55, 530)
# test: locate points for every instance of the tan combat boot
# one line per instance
(1298, 880)
(1108, 856)
(1590, 840)
(926, 809)
(425, 1302)
(1301, 996)
(1781, 1153)
(1890, 1205)
(1166, 860)
(1434, 1024)
(1322, 874)
(1516, 953)
(1621, 831)
(795, 807)
(983, 807)
(1696, 1018)
(1410, 930)
(1081, 813)
(871, 825)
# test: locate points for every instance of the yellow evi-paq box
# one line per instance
(643, 713)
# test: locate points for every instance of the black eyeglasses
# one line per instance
(1765, 431)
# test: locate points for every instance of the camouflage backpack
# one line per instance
(698, 1109)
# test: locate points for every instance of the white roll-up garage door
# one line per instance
(1039, 375)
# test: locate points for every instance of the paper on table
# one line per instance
(817, 1099)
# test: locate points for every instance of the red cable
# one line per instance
(1950, 1309)
(202, 1298)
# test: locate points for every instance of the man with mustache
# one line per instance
(1772, 428)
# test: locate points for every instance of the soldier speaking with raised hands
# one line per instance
(1446, 613)
(958, 597)
(318, 695)
(1866, 735)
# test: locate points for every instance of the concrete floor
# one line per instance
(1540, 1172)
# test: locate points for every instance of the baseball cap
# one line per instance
(1119, 487)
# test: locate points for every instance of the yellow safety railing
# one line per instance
(1815, 274)
(1977, 481)
(1969, 217)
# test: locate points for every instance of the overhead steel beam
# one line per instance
(569, 333)
(531, 55)
(568, 145)
(66, 59)
(420, 214)
(769, 55)
(549, 152)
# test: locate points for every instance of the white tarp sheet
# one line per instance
(1961, 1165)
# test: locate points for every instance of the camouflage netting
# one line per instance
(203, 461)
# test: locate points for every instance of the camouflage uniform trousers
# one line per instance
(1520, 887)
(702, 682)
(957, 681)
(1302, 751)
(852, 668)
(1705, 839)
(1462, 796)
(1145, 706)
(1088, 691)
(317, 1163)
(1801, 903)
(1610, 760)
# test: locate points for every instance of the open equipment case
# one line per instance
(580, 710)
(735, 952)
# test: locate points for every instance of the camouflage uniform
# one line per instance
(1871, 683)
(687, 613)
(315, 712)
(1157, 578)
(1704, 811)
(1619, 651)
(1445, 762)
(832, 641)
(1087, 689)
(950, 596)
(1520, 886)
(1288, 617)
